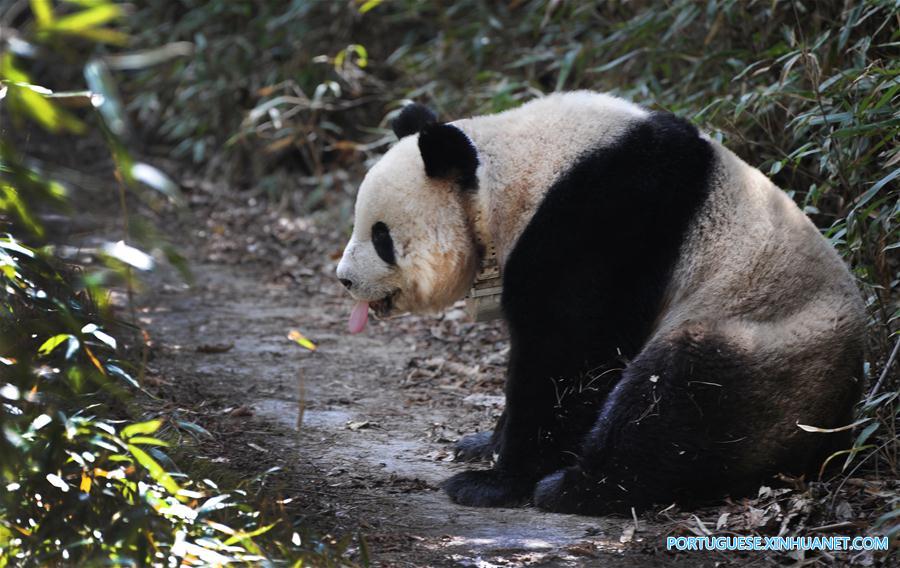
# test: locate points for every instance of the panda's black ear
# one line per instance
(412, 119)
(449, 154)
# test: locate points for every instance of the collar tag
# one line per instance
(483, 300)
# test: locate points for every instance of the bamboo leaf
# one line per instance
(148, 441)
(48, 346)
(141, 428)
(369, 5)
(156, 472)
(244, 536)
(89, 18)
(43, 12)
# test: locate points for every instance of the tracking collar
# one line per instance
(483, 299)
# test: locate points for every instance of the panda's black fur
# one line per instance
(449, 154)
(609, 405)
(446, 151)
(412, 119)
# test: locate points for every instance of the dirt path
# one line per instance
(380, 413)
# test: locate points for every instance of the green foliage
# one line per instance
(77, 484)
(82, 479)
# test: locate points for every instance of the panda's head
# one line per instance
(412, 247)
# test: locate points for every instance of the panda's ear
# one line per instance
(449, 154)
(412, 119)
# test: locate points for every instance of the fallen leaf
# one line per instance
(588, 549)
(807, 428)
(722, 522)
(301, 340)
(701, 526)
(94, 360)
(242, 410)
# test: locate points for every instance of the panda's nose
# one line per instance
(347, 283)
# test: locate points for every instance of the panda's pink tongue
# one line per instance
(359, 316)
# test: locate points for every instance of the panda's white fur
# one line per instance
(751, 267)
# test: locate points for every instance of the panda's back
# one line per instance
(748, 245)
(745, 251)
(752, 253)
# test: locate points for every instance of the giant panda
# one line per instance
(674, 318)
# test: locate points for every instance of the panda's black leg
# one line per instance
(546, 414)
(668, 431)
(480, 446)
(511, 481)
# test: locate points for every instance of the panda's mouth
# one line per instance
(384, 306)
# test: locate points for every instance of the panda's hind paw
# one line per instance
(563, 492)
(488, 488)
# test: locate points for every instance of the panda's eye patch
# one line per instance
(383, 243)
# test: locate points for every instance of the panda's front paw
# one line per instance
(474, 447)
(488, 488)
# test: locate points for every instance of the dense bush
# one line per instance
(84, 476)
